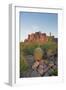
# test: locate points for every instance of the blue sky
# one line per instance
(31, 22)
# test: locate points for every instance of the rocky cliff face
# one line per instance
(39, 37)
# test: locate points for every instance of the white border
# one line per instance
(15, 42)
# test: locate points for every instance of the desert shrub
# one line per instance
(55, 72)
(23, 64)
(49, 46)
(28, 48)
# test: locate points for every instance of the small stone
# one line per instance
(40, 71)
(51, 64)
(35, 65)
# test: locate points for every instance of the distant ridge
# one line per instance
(40, 37)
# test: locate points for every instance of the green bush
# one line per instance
(55, 72)
(23, 64)
(28, 48)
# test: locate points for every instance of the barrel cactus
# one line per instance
(38, 54)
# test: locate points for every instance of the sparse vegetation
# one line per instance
(38, 51)
(23, 64)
